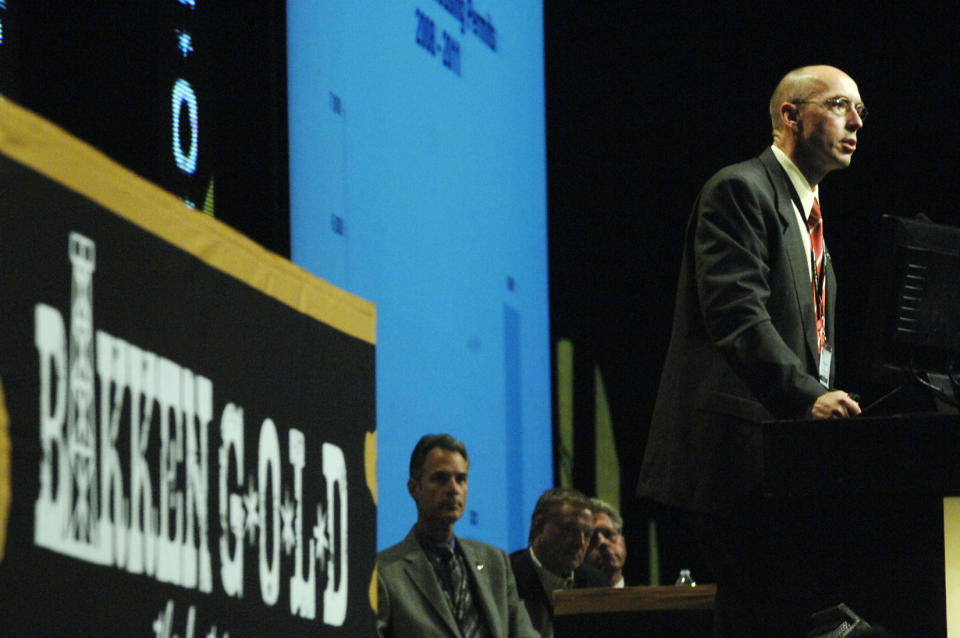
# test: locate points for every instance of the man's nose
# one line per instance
(854, 121)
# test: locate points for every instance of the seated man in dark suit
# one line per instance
(433, 583)
(560, 530)
(608, 547)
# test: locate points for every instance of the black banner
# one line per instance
(188, 455)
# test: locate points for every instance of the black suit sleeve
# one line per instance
(740, 244)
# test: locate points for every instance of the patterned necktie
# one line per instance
(815, 226)
(461, 598)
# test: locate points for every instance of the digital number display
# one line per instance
(189, 94)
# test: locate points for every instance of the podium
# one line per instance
(859, 501)
(635, 612)
(878, 485)
(898, 455)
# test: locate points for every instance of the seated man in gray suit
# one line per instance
(433, 583)
(560, 531)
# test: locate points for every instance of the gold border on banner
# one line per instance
(44, 147)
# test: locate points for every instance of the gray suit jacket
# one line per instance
(743, 347)
(411, 602)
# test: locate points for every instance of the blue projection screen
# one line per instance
(418, 182)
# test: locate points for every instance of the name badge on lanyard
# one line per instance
(826, 357)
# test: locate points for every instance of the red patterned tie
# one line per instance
(815, 226)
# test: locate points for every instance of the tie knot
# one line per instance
(815, 215)
(446, 553)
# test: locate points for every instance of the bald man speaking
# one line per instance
(753, 340)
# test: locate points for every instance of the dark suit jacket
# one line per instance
(539, 604)
(743, 347)
(411, 602)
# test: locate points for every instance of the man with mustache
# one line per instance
(433, 583)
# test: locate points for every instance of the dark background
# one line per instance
(644, 102)
(104, 71)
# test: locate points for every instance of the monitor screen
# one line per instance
(913, 314)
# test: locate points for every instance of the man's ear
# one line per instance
(789, 113)
(413, 486)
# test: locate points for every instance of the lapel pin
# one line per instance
(479, 567)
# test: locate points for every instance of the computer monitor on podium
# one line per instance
(911, 346)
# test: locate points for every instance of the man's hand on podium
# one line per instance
(834, 404)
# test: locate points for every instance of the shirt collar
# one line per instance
(548, 579)
(434, 549)
(799, 182)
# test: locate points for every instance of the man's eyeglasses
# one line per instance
(607, 532)
(840, 106)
